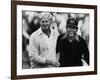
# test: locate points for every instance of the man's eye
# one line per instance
(44, 21)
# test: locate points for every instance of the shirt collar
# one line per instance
(77, 37)
(41, 32)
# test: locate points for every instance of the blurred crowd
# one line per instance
(30, 23)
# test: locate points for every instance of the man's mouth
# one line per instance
(71, 32)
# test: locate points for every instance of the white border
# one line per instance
(21, 71)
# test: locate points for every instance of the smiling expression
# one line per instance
(45, 23)
(71, 31)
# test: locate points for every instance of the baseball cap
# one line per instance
(73, 23)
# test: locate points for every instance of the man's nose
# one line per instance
(71, 28)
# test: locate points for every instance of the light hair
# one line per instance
(45, 15)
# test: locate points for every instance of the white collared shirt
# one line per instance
(42, 47)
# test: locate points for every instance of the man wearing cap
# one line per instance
(71, 47)
(42, 44)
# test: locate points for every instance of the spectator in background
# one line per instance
(42, 44)
(85, 28)
(30, 24)
(33, 25)
(61, 19)
(25, 38)
(71, 46)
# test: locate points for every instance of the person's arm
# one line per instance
(25, 28)
(86, 52)
(84, 63)
(58, 48)
(34, 54)
(34, 51)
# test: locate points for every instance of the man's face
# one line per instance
(45, 24)
(71, 31)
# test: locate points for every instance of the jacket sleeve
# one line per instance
(86, 52)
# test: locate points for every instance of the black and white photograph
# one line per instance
(55, 40)
(51, 39)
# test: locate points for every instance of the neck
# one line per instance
(47, 32)
(71, 38)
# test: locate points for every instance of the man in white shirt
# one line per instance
(42, 44)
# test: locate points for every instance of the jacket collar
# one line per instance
(76, 36)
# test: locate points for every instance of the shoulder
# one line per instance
(34, 34)
(81, 39)
(55, 32)
(60, 38)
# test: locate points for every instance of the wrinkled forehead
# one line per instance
(45, 19)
